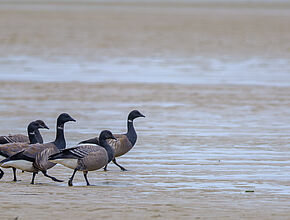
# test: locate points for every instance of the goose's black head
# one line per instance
(41, 124)
(135, 114)
(63, 118)
(33, 126)
(106, 134)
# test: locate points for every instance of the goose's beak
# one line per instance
(45, 126)
(71, 119)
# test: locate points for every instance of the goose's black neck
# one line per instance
(108, 148)
(32, 137)
(131, 133)
(38, 137)
(59, 139)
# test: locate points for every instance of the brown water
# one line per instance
(214, 143)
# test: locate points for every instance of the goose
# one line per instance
(17, 138)
(35, 158)
(7, 150)
(125, 142)
(86, 157)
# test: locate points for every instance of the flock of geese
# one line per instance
(30, 154)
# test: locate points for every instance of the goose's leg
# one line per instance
(105, 168)
(51, 177)
(33, 177)
(1, 173)
(14, 174)
(72, 177)
(86, 178)
(115, 162)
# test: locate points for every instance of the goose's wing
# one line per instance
(5, 140)
(34, 149)
(77, 152)
(121, 146)
(20, 138)
(96, 139)
(90, 141)
(14, 139)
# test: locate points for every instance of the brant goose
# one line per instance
(124, 142)
(17, 138)
(86, 157)
(35, 158)
(10, 149)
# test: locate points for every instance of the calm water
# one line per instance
(255, 71)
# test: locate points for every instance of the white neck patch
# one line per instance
(60, 127)
(31, 133)
(130, 121)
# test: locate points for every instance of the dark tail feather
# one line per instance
(13, 157)
(17, 156)
(3, 154)
(5, 160)
(1, 173)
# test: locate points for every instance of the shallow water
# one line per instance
(197, 70)
(200, 147)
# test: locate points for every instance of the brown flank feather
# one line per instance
(14, 138)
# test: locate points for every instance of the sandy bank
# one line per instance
(145, 29)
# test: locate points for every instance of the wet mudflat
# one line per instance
(200, 148)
